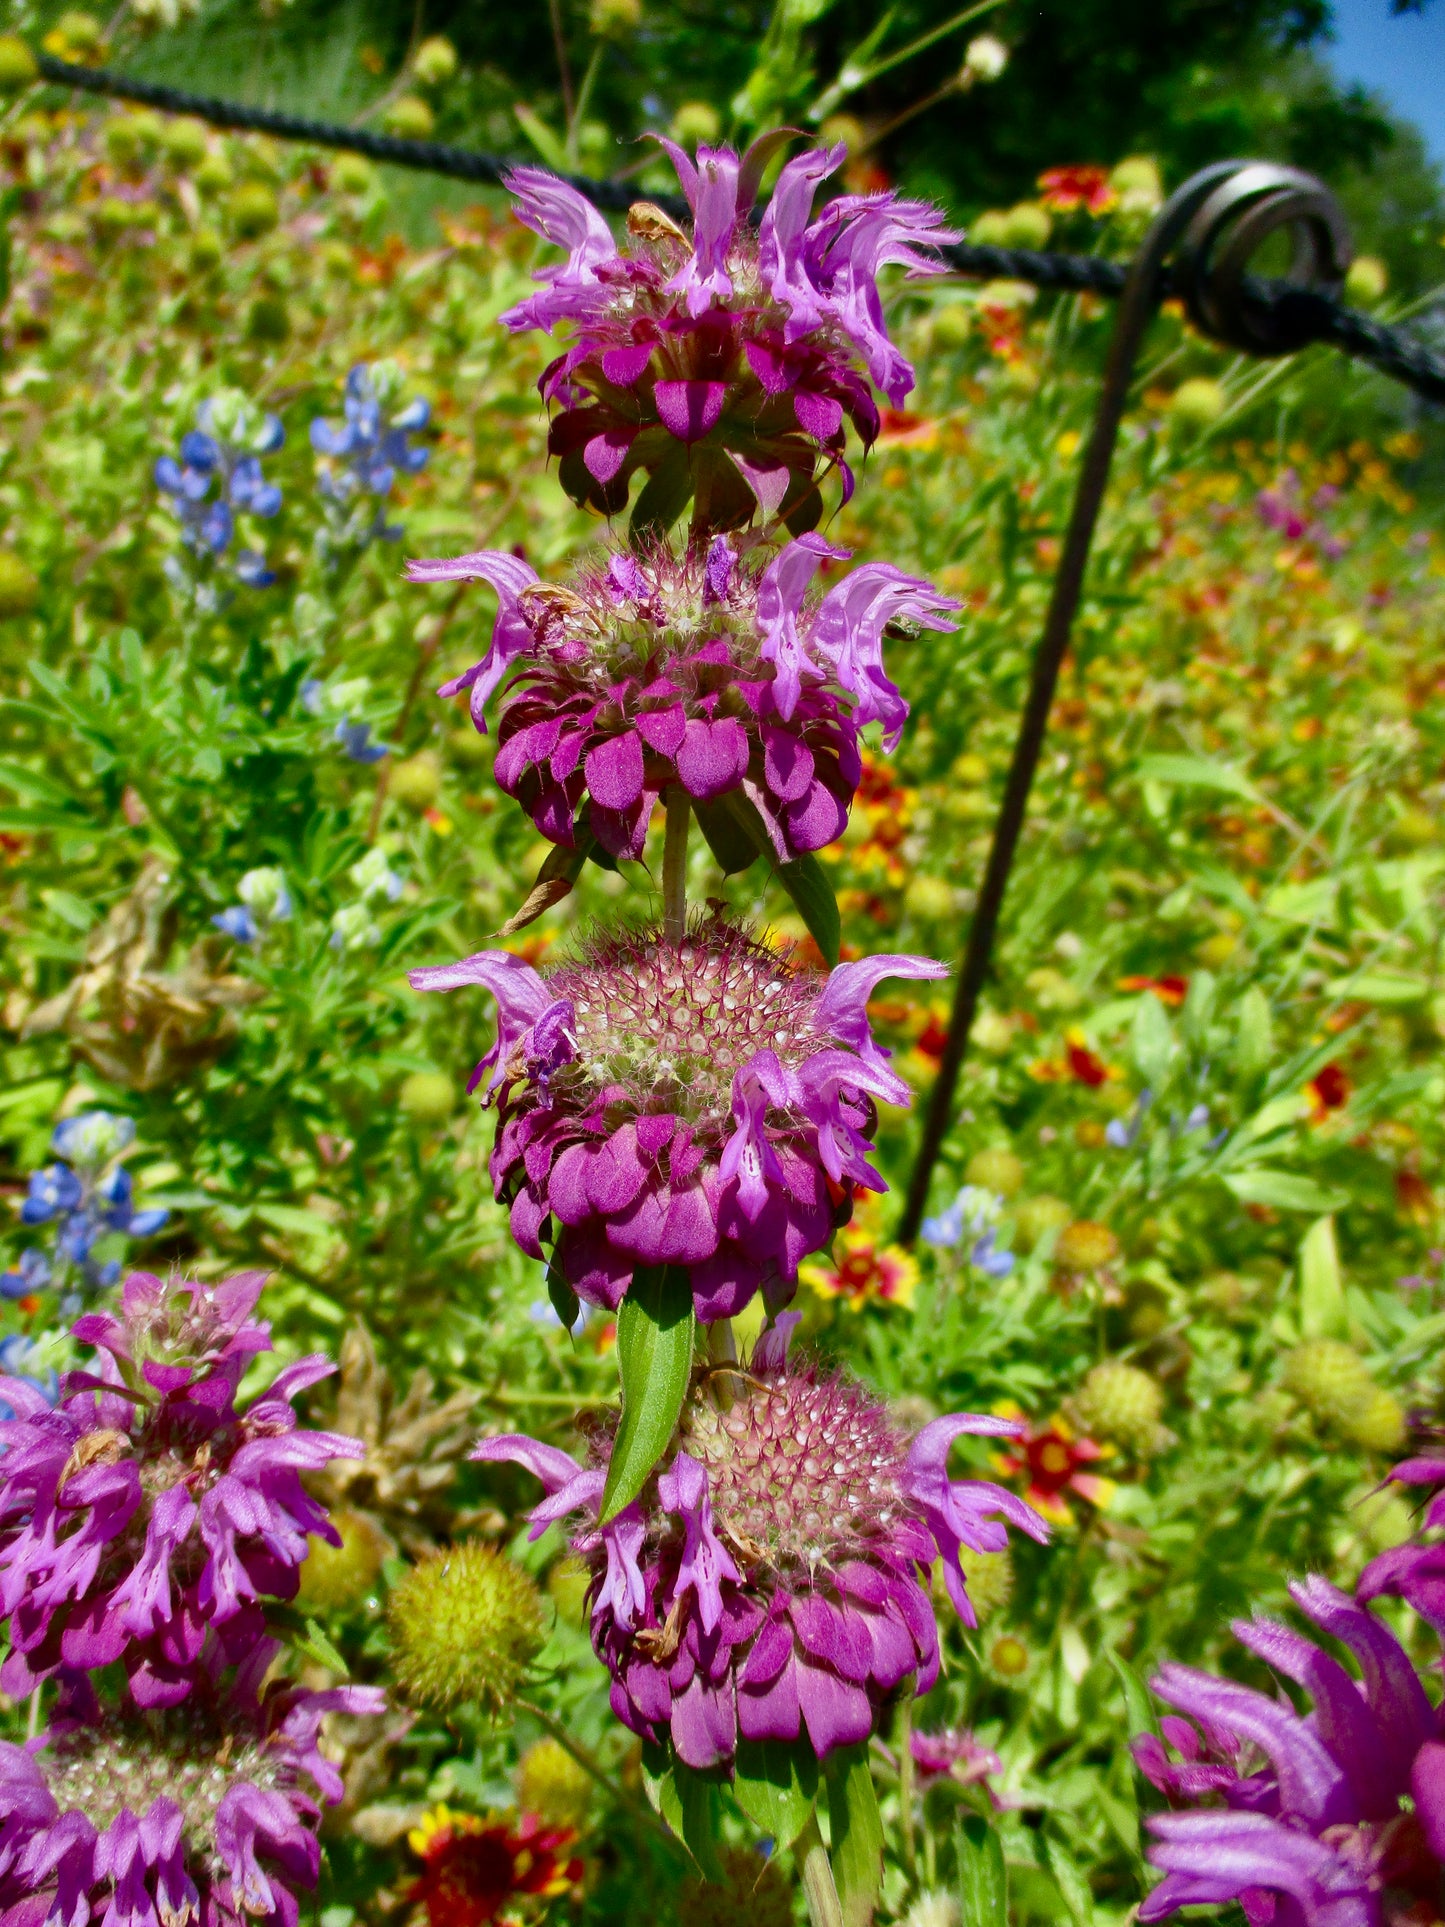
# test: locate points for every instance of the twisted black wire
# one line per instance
(1311, 316)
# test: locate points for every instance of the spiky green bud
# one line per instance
(1334, 1386)
(997, 1170)
(333, 1576)
(552, 1785)
(466, 1623)
(989, 1577)
(1117, 1404)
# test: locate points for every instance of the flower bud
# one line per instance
(265, 895)
(951, 326)
(846, 128)
(334, 1576)
(1367, 280)
(612, 19)
(1137, 185)
(1334, 1385)
(989, 1577)
(81, 32)
(436, 61)
(996, 1170)
(1117, 1404)
(696, 121)
(466, 1623)
(253, 210)
(17, 64)
(352, 174)
(184, 140)
(427, 1097)
(1027, 226)
(1086, 1246)
(928, 898)
(1035, 1218)
(417, 782)
(1009, 1657)
(19, 586)
(410, 119)
(985, 57)
(552, 1785)
(1198, 402)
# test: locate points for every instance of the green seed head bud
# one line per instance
(427, 1097)
(1334, 1386)
(352, 174)
(19, 586)
(253, 210)
(81, 32)
(465, 1624)
(989, 1577)
(417, 782)
(1027, 226)
(997, 1170)
(992, 1032)
(410, 119)
(552, 1785)
(1138, 185)
(1009, 1657)
(267, 320)
(213, 173)
(567, 1584)
(1117, 1404)
(694, 121)
(990, 229)
(614, 19)
(928, 898)
(1035, 1218)
(333, 1576)
(185, 142)
(1367, 280)
(845, 128)
(1086, 1246)
(951, 326)
(17, 64)
(123, 139)
(1198, 402)
(751, 1893)
(436, 61)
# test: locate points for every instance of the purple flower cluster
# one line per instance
(363, 454)
(716, 676)
(223, 454)
(772, 1582)
(88, 1196)
(705, 1105)
(143, 1520)
(724, 362)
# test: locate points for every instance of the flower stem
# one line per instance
(817, 1873)
(903, 1734)
(678, 805)
(589, 1763)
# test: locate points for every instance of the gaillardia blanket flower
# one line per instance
(200, 1813)
(145, 1516)
(701, 1104)
(771, 1582)
(721, 363)
(1334, 1820)
(705, 673)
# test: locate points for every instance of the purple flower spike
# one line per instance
(1340, 1817)
(780, 1565)
(713, 1109)
(754, 342)
(706, 673)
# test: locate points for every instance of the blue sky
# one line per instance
(1401, 57)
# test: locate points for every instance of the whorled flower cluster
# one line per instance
(145, 1516)
(702, 1104)
(1335, 1819)
(709, 673)
(772, 1581)
(723, 362)
(143, 1520)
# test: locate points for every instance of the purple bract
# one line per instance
(201, 1813)
(725, 361)
(772, 1581)
(720, 677)
(704, 1105)
(1337, 1820)
(145, 1517)
(1416, 1570)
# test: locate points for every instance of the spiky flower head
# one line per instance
(701, 1104)
(989, 1577)
(751, 1893)
(1085, 1246)
(771, 1582)
(722, 362)
(477, 1871)
(466, 1623)
(1338, 1819)
(551, 1784)
(715, 675)
(1118, 1404)
(339, 1575)
(1334, 1385)
(146, 1517)
(204, 1811)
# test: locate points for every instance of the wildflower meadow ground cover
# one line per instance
(481, 873)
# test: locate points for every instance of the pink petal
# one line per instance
(614, 772)
(818, 415)
(767, 480)
(713, 757)
(605, 453)
(623, 366)
(690, 408)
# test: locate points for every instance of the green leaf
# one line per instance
(654, 1351)
(1077, 1895)
(1322, 1309)
(857, 1831)
(549, 145)
(1196, 773)
(982, 1874)
(806, 882)
(318, 1647)
(699, 1807)
(1379, 987)
(1283, 1190)
(727, 838)
(657, 1778)
(666, 495)
(1138, 1706)
(563, 1298)
(1151, 1041)
(1254, 1039)
(559, 872)
(776, 1785)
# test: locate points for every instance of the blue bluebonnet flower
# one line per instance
(1121, 1132)
(264, 900)
(354, 737)
(87, 1197)
(217, 477)
(23, 1359)
(975, 1214)
(363, 454)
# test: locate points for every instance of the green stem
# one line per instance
(903, 1736)
(674, 865)
(590, 1764)
(819, 1889)
(584, 95)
